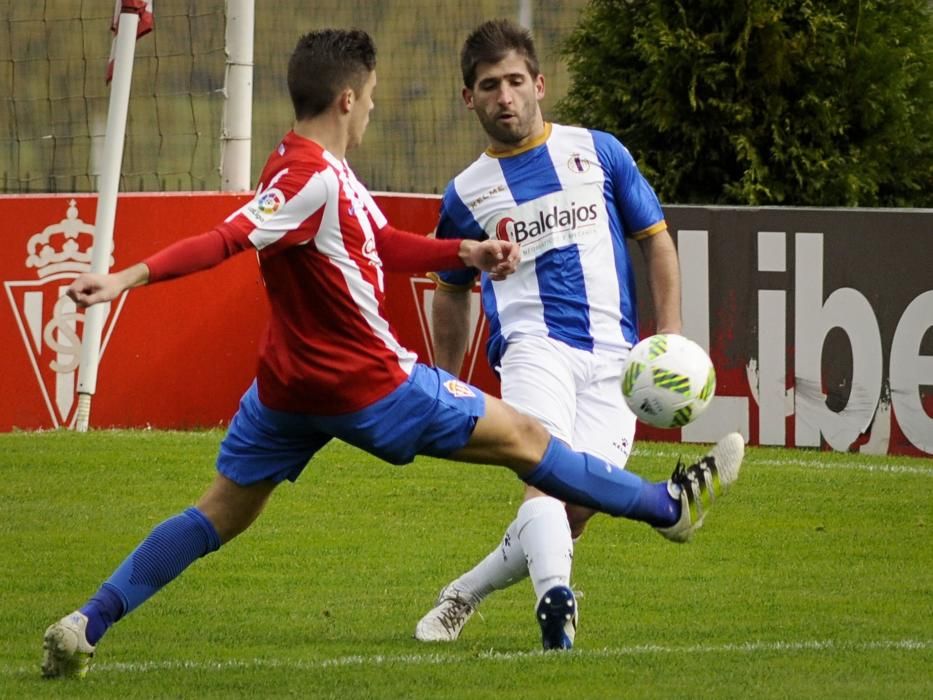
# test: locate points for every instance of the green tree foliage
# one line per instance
(790, 102)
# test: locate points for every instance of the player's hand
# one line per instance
(90, 288)
(497, 258)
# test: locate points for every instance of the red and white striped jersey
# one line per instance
(328, 348)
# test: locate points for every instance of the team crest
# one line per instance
(578, 164)
(457, 388)
(49, 321)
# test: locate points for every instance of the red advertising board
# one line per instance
(808, 352)
(175, 355)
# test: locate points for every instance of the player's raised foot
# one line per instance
(700, 484)
(66, 652)
(557, 615)
(445, 621)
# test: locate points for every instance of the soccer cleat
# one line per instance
(66, 652)
(445, 621)
(700, 484)
(557, 615)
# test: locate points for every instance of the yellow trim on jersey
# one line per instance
(650, 231)
(534, 143)
(447, 286)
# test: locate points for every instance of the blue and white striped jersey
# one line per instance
(569, 200)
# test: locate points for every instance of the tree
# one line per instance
(791, 102)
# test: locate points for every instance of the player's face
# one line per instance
(359, 112)
(505, 98)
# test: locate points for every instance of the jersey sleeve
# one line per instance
(286, 212)
(194, 254)
(456, 221)
(635, 199)
(403, 251)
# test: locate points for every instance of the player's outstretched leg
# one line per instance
(504, 436)
(557, 615)
(700, 484)
(66, 653)
(675, 507)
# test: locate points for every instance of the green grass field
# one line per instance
(812, 579)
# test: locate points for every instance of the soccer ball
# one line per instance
(668, 380)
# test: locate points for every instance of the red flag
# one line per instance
(146, 21)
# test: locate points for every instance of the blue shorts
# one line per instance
(432, 413)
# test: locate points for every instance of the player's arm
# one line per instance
(641, 211)
(89, 288)
(299, 195)
(450, 321)
(450, 309)
(178, 259)
(663, 280)
(403, 251)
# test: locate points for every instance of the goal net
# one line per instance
(53, 58)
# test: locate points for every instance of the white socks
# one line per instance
(544, 534)
(502, 567)
(537, 542)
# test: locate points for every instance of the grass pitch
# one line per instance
(813, 578)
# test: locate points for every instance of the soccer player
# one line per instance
(562, 325)
(329, 364)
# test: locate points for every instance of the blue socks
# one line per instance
(176, 543)
(589, 481)
(105, 608)
(167, 551)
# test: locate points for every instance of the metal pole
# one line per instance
(95, 316)
(236, 133)
(525, 14)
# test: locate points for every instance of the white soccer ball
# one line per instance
(668, 380)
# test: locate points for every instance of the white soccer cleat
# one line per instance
(445, 621)
(66, 653)
(700, 484)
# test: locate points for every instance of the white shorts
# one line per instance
(576, 394)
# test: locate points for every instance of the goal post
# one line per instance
(236, 134)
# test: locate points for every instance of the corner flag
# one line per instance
(134, 19)
(143, 8)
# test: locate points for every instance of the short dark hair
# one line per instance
(490, 42)
(324, 63)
